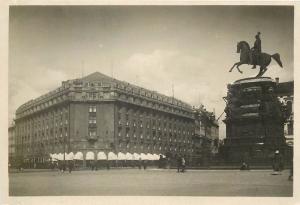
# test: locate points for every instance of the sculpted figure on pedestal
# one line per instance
(254, 56)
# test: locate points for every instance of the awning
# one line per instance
(90, 156)
(112, 156)
(136, 156)
(54, 157)
(60, 156)
(70, 156)
(155, 157)
(121, 156)
(78, 156)
(144, 157)
(129, 156)
(101, 156)
(150, 156)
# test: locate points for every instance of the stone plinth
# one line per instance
(254, 121)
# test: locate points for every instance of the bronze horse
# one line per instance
(264, 58)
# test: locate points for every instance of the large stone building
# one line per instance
(98, 113)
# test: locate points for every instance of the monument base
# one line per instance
(254, 121)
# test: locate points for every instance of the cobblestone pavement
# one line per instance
(153, 182)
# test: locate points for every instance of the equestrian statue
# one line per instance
(254, 56)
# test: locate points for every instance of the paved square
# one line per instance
(151, 183)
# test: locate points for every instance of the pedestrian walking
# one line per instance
(140, 163)
(70, 166)
(291, 173)
(64, 166)
(52, 165)
(277, 163)
(182, 164)
(178, 163)
(244, 166)
(107, 164)
(291, 170)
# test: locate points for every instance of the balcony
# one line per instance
(92, 139)
(92, 125)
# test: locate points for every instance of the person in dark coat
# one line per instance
(70, 164)
(244, 166)
(182, 164)
(178, 163)
(277, 162)
(140, 163)
(255, 51)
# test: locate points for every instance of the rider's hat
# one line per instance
(257, 35)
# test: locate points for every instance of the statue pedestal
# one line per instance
(254, 121)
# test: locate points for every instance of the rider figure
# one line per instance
(256, 51)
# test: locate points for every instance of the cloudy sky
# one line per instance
(191, 47)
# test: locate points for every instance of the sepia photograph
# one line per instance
(151, 100)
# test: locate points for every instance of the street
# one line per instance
(154, 182)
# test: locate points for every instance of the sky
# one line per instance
(189, 47)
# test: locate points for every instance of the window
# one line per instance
(92, 108)
(92, 121)
(92, 133)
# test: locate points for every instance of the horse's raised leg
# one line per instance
(233, 66)
(238, 67)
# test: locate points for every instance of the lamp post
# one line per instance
(22, 154)
(64, 141)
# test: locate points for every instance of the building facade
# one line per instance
(285, 93)
(206, 138)
(98, 113)
(11, 145)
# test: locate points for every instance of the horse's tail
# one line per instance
(276, 57)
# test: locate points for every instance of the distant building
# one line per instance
(285, 93)
(206, 136)
(11, 144)
(98, 113)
